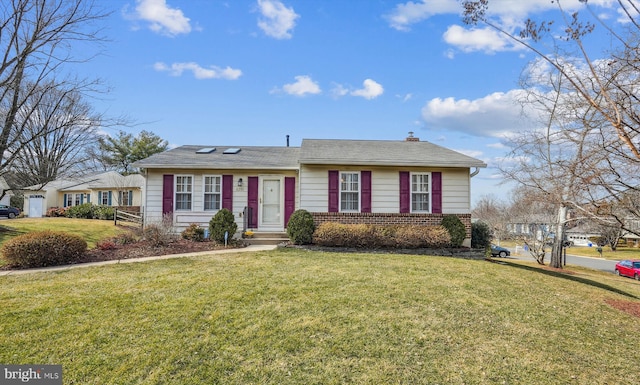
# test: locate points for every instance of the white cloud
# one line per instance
(371, 90)
(277, 20)
(495, 115)
(509, 12)
(414, 12)
(211, 72)
(479, 39)
(162, 18)
(303, 86)
(339, 90)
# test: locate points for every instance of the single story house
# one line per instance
(347, 181)
(107, 188)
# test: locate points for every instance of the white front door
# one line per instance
(271, 203)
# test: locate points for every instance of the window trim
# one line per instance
(340, 191)
(205, 193)
(429, 192)
(125, 195)
(175, 192)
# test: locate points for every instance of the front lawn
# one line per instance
(301, 317)
(91, 230)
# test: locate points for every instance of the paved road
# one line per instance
(592, 263)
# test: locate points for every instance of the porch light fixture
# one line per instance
(239, 182)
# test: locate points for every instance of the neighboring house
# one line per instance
(108, 188)
(348, 181)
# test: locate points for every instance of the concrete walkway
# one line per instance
(132, 260)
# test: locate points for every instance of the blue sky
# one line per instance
(239, 72)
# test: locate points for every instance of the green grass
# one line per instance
(300, 317)
(92, 230)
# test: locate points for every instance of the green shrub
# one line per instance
(193, 233)
(300, 227)
(480, 235)
(222, 222)
(103, 212)
(43, 248)
(84, 211)
(456, 229)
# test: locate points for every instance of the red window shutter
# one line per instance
(227, 192)
(405, 192)
(436, 192)
(289, 198)
(252, 201)
(167, 194)
(334, 190)
(365, 191)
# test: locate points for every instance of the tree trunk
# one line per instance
(556, 251)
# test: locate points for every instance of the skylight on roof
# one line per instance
(206, 150)
(233, 150)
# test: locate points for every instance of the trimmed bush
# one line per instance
(222, 222)
(193, 233)
(84, 211)
(43, 248)
(456, 229)
(300, 227)
(374, 237)
(480, 235)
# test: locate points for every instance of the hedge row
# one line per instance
(379, 236)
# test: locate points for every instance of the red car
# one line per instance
(629, 268)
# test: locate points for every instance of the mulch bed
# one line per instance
(632, 308)
(142, 249)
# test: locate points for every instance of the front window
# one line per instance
(420, 193)
(103, 197)
(124, 198)
(69, 202)
(349, 191)
(212, 192)
(184, 188)
(78, 199)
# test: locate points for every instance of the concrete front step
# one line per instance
(267, 238)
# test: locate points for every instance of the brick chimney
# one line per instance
(411, 138)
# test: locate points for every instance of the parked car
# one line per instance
(628, 268)
(8, 211)
(499, 251)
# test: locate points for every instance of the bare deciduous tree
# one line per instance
(56, 136)
(37, 41)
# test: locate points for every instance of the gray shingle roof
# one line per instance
(382, 153)
(314, 151)
(249, 157)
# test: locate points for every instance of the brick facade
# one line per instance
(389, 219)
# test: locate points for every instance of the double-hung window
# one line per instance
(69, 202)
(103, 198)
(420, 197)
(184, 192)
(124, 198)
(350, 191)
(212, 192)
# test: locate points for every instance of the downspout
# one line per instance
(477, 170)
